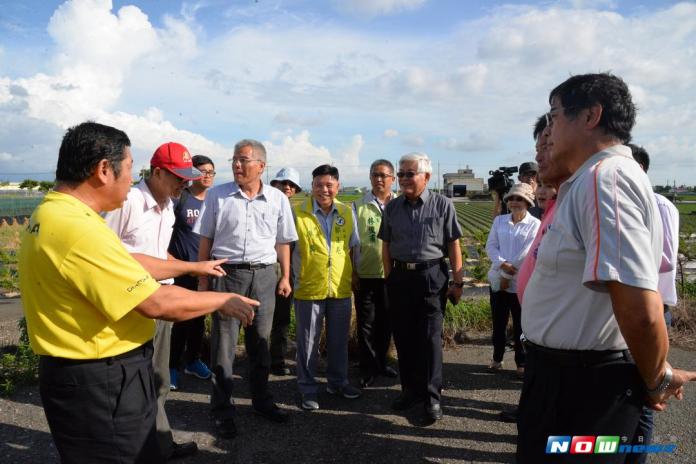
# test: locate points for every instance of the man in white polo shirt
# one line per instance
(596, 338)
(144, 226)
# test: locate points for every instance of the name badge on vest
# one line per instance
(340, 221)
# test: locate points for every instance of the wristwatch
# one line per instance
(662, 386)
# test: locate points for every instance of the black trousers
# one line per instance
(279, 330)
(602, 399)
(417, 304)
(102, 410)
(187, 336)
(374, 328)
(504, 304)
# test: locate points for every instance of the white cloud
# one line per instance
(372, 8)
(474, 142)
(270, 75)
(412, 140)
(4, 156)
(298, 151)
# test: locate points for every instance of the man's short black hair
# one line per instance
(325, 170)
(584, 90)
(539, 126)
(84, 146)
(640, 155)
(198, 160)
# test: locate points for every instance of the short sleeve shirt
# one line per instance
(246, 230)
(420, 231)
(79, 284)
(184, 243)
(142, 225)
(606, 229)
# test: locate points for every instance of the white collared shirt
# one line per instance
(666, 284)
(243, 229)
(509, 242)
(141, 225)
(606, 228)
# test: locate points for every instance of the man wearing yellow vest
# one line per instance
(323, 271)
(89, 307)
(371, 307)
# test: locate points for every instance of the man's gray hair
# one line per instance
(382, 162)
(256, 146)
(424, 164)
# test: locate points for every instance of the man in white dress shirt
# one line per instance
(144, 226)
(250, 225)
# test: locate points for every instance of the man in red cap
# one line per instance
(144, 225)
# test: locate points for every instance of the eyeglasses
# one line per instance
(207, 173)
(515, 198)
(243, 161)
(380, 175)
(407, 174)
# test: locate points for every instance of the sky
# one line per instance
(337, 81)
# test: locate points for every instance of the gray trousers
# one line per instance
(259, 284)
(160, 364)
(309, 316)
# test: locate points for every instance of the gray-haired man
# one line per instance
(251, 225)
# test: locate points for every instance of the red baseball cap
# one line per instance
(176, 159)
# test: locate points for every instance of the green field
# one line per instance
(18, 205)
(475, 217)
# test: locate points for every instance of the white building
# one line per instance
(464, 177)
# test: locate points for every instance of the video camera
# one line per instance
(500, 180)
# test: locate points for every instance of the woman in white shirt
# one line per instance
(508, 243)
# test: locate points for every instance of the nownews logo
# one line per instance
(563, 444)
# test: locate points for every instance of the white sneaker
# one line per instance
(495, 365)
(309, 402)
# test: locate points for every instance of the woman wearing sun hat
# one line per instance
(287, 181)
(508, 243)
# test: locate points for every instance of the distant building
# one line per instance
(463, 180)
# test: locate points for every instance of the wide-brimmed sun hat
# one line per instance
(523, 191)
(288, 174)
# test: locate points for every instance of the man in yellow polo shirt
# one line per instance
(89, 307)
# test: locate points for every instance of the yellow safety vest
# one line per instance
(323, 274)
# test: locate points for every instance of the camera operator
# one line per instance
(500, 183)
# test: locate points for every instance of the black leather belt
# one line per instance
(416, 266)
(247, 266)
(576, 358)
(143, 350)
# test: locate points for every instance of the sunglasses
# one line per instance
(285, 183)
(407, 174)
(515, 198)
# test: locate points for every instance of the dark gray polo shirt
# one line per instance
(422, 231)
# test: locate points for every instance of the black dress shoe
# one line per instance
(280, 371)
(181, 450)
(433, 412)
(390, 372)
(405, 401)
(226, 428)
(272, 412)
(367, 381)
